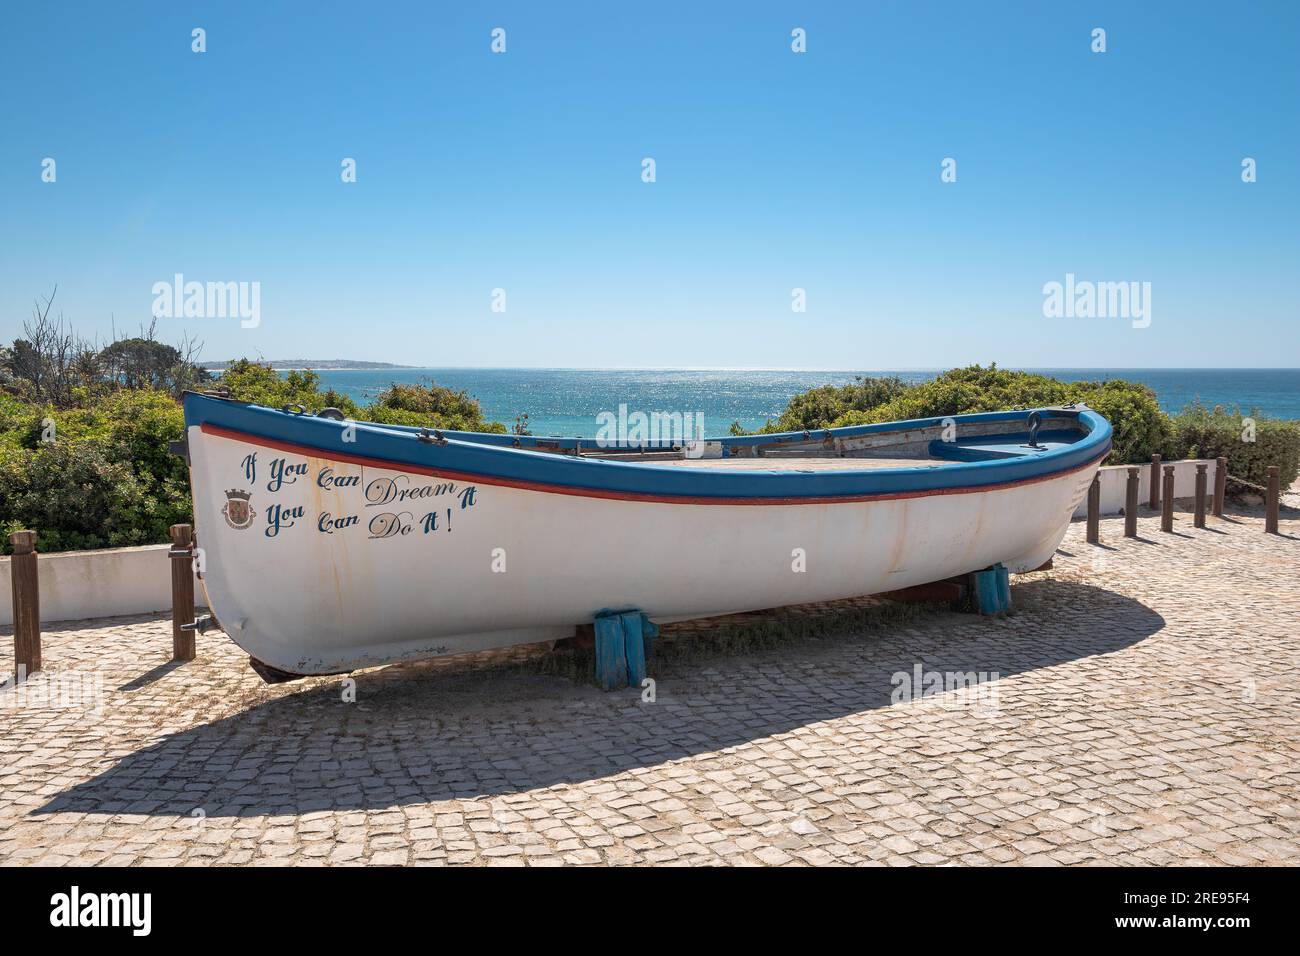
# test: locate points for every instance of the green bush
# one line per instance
(821, 406)
(430, 405)
(79, 496)
(963, 390)
(119, 486)
(1200, 432)
(1140, 427)
(262, 385)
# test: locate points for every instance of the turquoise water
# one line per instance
(567, 401)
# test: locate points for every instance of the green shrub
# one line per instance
(78, 495)
(1140, 427)
(431, 405)
(961, 391)
(1217, 433)
(259, 383)
(821, 406)
(121, 485)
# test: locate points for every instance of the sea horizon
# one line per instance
(566, 401)
(775, 368)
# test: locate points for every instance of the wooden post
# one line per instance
(1201, 479)
(1155, 482)
(1220, 485)
(1271, 501)
(182, 557)
(1167, 501)
(1094, 510)
(27, 605)
(1131, 503)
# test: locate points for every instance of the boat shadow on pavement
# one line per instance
(417, 734)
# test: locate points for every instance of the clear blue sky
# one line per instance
(775, 170)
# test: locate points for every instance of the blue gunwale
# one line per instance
(492, 459)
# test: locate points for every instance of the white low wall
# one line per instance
(75, 585)
(1114, 484)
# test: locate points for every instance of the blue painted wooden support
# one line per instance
(1004, 586)
(611, 654)
(991, 589)
(623, 641)
(634, 647)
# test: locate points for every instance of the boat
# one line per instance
(328, 545)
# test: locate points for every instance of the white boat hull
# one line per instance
(334, 585)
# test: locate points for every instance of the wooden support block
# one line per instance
(1272, 500)
(611, 653)
(1220, 485)
(583, 639)
(986, 591)
(649, 631)
(26, 605)
(1094, 510)
(950, 592)
(1004, 587)
(182, 560)
(1201, 480)
(1167, 500)
(1155, 482)
(633, 647)
(1131, 503)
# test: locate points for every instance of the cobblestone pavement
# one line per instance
(1141, 707)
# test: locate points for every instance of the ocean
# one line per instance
(566, 401)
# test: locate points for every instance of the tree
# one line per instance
(44, 356)
(51, 360)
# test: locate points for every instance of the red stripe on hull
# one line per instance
(308, 451)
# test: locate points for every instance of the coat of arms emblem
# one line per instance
(236, 510)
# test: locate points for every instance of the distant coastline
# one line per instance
(298, 365)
